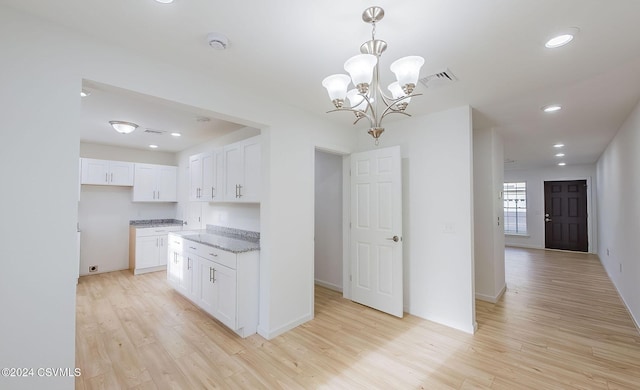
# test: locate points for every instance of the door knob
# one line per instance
(547, 219)
(394, 238)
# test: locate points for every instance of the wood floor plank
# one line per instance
(559, 325)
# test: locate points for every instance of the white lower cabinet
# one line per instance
(148, 248)
(223, 284)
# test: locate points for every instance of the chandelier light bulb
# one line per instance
(398, 93)
(336, 86)
(360, 68)
(357, 101)
(407, 71)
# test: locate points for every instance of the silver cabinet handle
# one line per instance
(212, 274)
(239, 190)
(212, 189)
(106, 177)
(188, 263)
(394, 238)
(213, 254)
(158, 194)
(191, 247)
(112, 177)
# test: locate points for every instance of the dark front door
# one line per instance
(565, 204)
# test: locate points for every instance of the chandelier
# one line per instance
(367, 100)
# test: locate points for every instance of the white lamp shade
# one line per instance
(397, 92)
(123, 127)
(360, 68)
(407, 69)
(356, 101)
(336, 86)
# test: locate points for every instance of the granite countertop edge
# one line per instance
(237, 241)
(151, 223)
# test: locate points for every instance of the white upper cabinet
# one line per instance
(242, 168)
(205, 176)
(105, 172)
(155, 183)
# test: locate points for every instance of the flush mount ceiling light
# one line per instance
(562, 164)
(558, 146)
(165, 1)
(123, 127)
(153, 146)
(552, 108)
(217, 41)
(176, 135)
(560, 155)
(562, 38)
(367, 100)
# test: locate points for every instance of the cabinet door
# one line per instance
(144, 187)
(186, 282)
(207, 294)
(94, 171)
(233, 171)
(163, 254)
(120, 173)
(195, 177)
(166, 187)
(252, 171)
(175, 269)
(147, 251)
(208, 177)
(225, 308)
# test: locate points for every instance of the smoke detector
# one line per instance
(217, 41)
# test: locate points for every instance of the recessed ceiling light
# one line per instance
(85, 93)
(552, 108)
(165, 1)
(176, 134)
(562, 38)
(153, 146)
(558, 146)
(560, 155)
(562, 164)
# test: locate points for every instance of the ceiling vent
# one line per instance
(440, 79)
(154, 131)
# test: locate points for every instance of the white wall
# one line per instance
(328, 220)
(39, 142)
(488, 178)
(535, 179)
(437, 214)
(104, 212)
(618, 170)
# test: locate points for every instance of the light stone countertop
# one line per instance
(230, 240)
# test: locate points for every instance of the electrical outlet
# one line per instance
(93, 268)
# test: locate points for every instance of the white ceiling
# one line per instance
(494, 47)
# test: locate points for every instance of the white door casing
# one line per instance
(376, 230)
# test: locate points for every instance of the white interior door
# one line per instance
(376, 229)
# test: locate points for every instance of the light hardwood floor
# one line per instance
(560, 325)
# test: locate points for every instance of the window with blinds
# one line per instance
(515, 208)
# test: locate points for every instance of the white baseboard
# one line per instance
(635, 320)
(271, 334)
(492, 299)
(330, 286)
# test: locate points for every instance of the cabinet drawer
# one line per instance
(225, 258)
(176, 242)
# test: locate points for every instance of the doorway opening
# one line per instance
(328, 225)
(566, 224)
